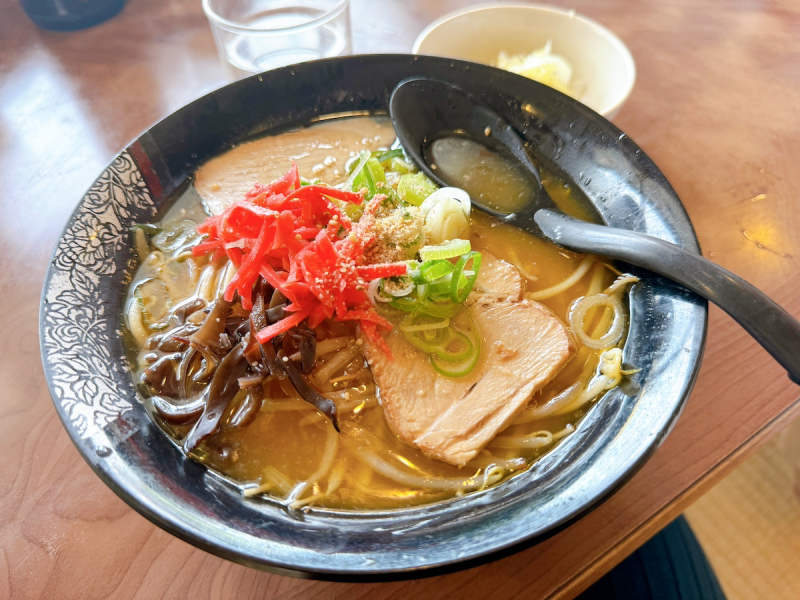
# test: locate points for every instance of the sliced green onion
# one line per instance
(431, 335)
(459, 364)
(415, 188)
(452, 351)
(425, 326)
(400, 165)
(464, 346)
(375, 171)
(154, 302)
(368, 173)
(354, 211)
(452, 369)
(432, 270)
(366, 180)
(438, 342)
(413, 270)
(383, 157)
(440, 289)
(392, 200)
(356, 180)
(418, 303)
(462, 281)
(406, 304)
(429, 341)
(449, 249)
(440, 309)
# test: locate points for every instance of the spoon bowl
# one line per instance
(425, 110)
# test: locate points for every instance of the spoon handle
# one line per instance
(771, 326)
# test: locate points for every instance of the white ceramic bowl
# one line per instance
(603, 68)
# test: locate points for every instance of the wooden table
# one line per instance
(716, 107)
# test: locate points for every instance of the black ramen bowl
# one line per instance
(84, 358)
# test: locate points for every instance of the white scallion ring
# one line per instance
(445, 193)
(374, 294)
(578, 313)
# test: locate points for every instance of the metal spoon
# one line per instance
(423, 110)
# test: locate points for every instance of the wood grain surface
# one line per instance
(715, 105)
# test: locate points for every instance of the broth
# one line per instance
(286, 442)
(489, 177)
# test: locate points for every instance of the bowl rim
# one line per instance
(239, 543)
(627, 58)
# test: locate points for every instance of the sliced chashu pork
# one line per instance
(498, 279)
(452, 419)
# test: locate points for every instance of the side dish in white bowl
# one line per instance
(552, 45)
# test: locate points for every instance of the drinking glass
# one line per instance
(257, 35)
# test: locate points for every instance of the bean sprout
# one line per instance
(597, 386)
(576, 276)
(418, 481)
(325, 464)
(518, 264)
(327, 346)
(551, 406)
(620, 282)
(487, 459)
(205, 285)
(337, 362)
(568, 430)
(135, 325)
(538, 439)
